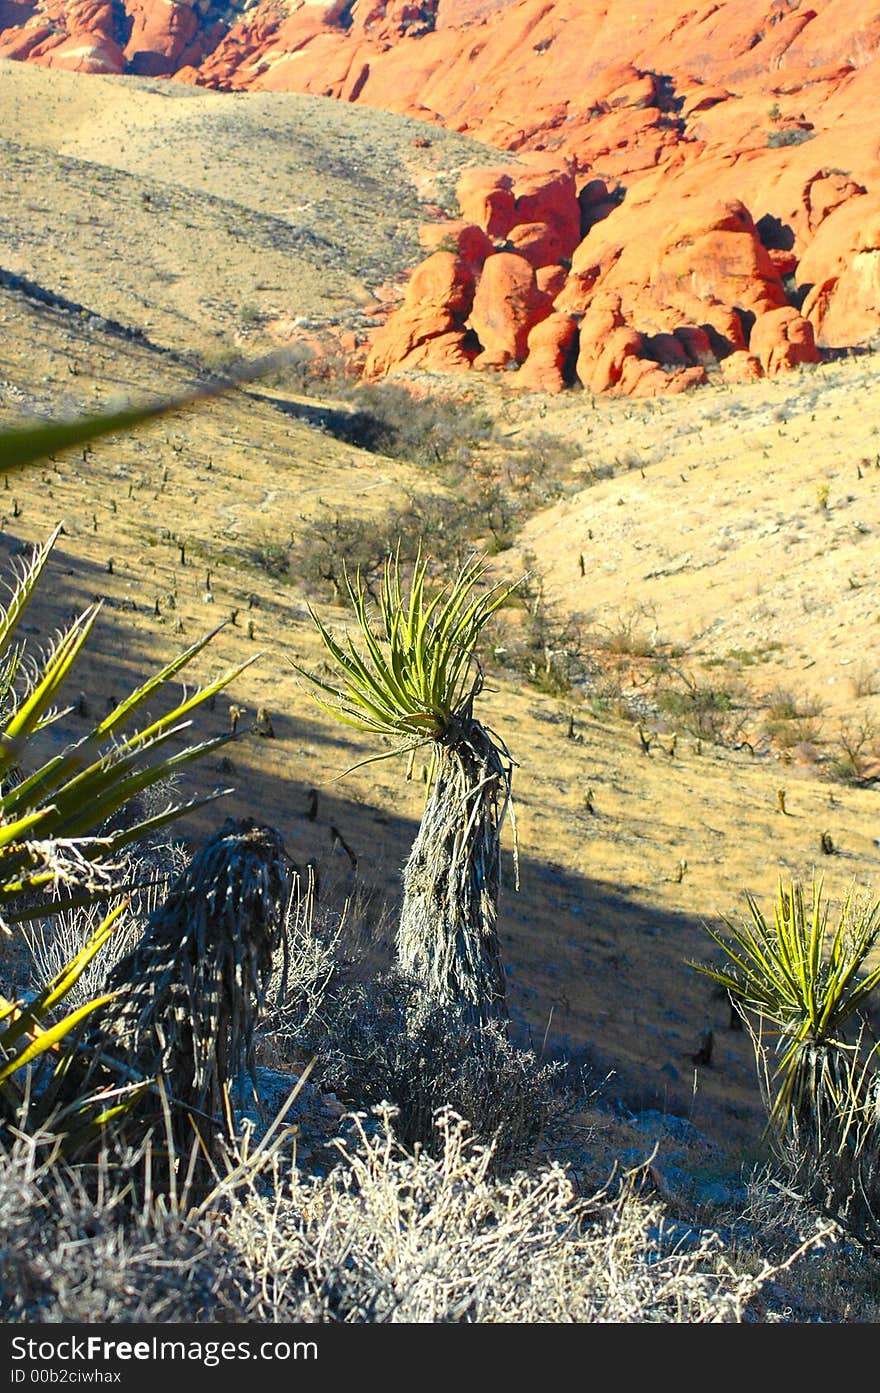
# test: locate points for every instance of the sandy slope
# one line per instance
(211, 221)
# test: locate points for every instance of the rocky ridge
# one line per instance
(681, 191)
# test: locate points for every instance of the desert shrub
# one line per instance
(388, 1235)
(790, 135)
(380, 1042)
(626, 637)
(857, 751)
(53, 942)
(332, 545)
(792, 720)
(546, 647)
(705, 710)
(73, 1252)
(273, 557)
(430, 430)
(435, 1236)
(865, 680)
(447, 527)
(305, 977)
(329, 545)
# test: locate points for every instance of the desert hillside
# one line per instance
(697, 636)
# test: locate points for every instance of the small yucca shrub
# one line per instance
(410, 673)
(804, 988)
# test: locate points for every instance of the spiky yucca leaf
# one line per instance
(54, 815)
(803, 982)
(407, 672)
(23, 1035)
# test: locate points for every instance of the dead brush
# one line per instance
(52, 943)
(381, 1041)
(399, 1236)
(189, 994)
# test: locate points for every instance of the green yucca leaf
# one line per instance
(48, 1039)
(25, 445)
(405, 673)
(136, 699)
(70, 974)
(54, 674)
(12, 833)
(23, 592)
(70, 795)
(29, 1017)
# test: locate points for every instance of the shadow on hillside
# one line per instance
(595, 975)
(348, 424)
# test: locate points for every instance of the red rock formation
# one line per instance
(709, 166)
(507, 305)
(549, 345)
(781, 339)
(842, 269)
(428, 329)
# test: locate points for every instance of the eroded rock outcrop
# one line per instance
(623, 314)
(711, 167)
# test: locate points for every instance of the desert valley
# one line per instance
(595, 296)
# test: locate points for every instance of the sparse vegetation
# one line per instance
(857, 758)
(431, 430)
(403, 1217)
(789, 135)
(705, 710)
(792, 720)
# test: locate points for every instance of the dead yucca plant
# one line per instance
(804, 990)
(187, 998)
(410, 674)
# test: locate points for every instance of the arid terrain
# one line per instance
(707, 561)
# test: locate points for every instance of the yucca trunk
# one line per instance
(447, 939)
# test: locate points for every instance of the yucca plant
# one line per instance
(805, 988)
(410, 673)
(55, 811)
(64, 817)
(184, 1002)
(33, 1035)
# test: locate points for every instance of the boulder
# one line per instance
(782, 339)
(463, 239)
(507, 305)
(841, 270)
(601, 361)
(436, 304)
(486, 198)
(741, 367)
(549, 347)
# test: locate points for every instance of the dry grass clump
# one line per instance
(388, 1236)
(388, 419)
(71, 1255)
(397, 1236)
(51, 943)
